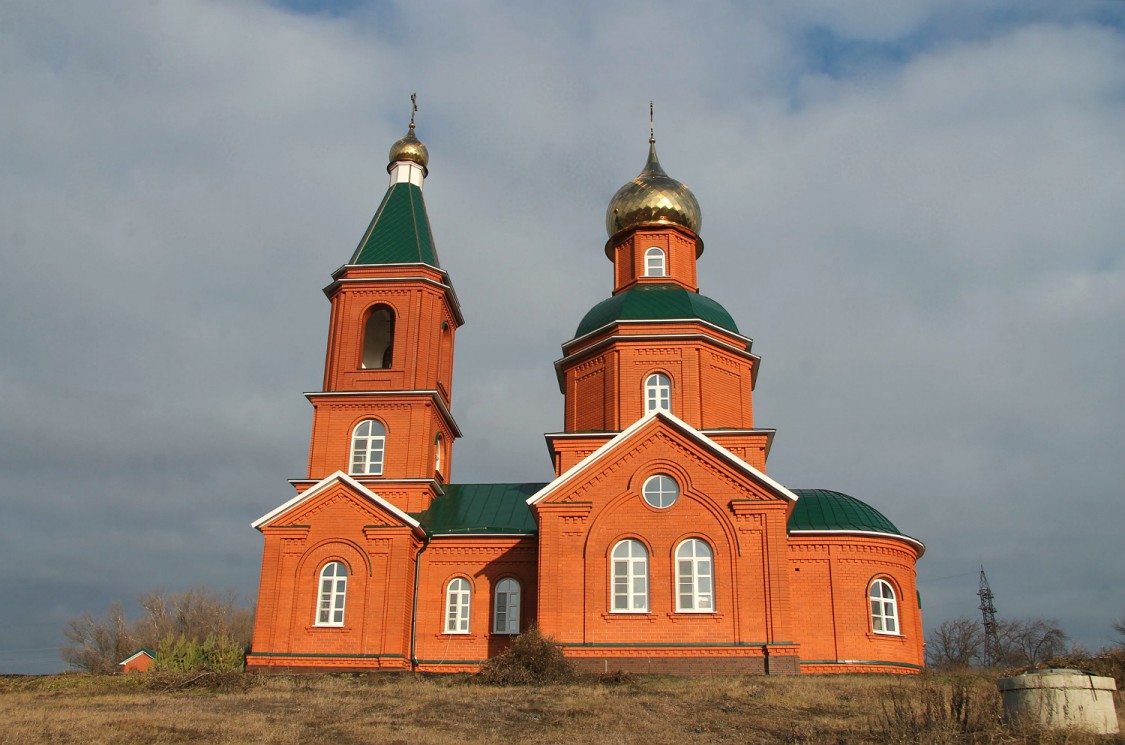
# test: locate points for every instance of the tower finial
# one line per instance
(409, 147)
(651, 128)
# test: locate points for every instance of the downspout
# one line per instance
(414, 605)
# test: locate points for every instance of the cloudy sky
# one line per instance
(917, 210)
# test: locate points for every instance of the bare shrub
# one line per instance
(957, 644)
(532, 659)
(1029, 641)
(195, 614)
(97, 645)
(1108, 662)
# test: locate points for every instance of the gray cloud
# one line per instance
(917, 220)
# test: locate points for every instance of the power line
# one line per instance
(951, 576)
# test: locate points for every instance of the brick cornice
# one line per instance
(565, 509)
(287, 531)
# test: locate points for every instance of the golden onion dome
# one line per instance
(653, 197)
(409, 148)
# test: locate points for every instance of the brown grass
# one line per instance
(450, 709)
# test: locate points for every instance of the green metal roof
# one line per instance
(481, 509)
(501, 509)
(400, 231)
(821, 509)
(655, 302)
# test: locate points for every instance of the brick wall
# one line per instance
(336, 524)
(584, 520)
(829, 579)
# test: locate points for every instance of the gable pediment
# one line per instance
(338, 493)
(337, 501)
(660, 436)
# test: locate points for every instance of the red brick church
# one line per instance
(661, 545)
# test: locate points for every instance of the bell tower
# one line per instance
(383, 414)
(656, 343)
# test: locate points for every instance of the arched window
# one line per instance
(660, 491)
(333, 591)
(457, 597)
(629, 577)
(884, 608)
(694, 588)
(445, 358)
(506, 611)
(439, 445)
(658, 392)
(378, 338)
(368, 441)
(654, 262)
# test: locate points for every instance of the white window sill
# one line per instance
(887, 635)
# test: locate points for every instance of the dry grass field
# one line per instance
(418, 710)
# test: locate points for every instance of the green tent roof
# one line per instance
(400, 231)
(481, 508)
(655, 302)
(821, 509)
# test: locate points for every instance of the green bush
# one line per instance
(532, 659)
(216, 654)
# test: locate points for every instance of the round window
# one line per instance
(661, 491)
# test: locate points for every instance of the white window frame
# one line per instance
(506, 606)
(439, 443)
(332, 595)
(655, 262)
(369, 444)
(883, 604)
(628, 577)
(660, 491)
(695, 577)
(658, 392)
(458, 602)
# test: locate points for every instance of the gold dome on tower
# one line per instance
(653, 197)
(410, 147)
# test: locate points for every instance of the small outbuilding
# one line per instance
(138, 662)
